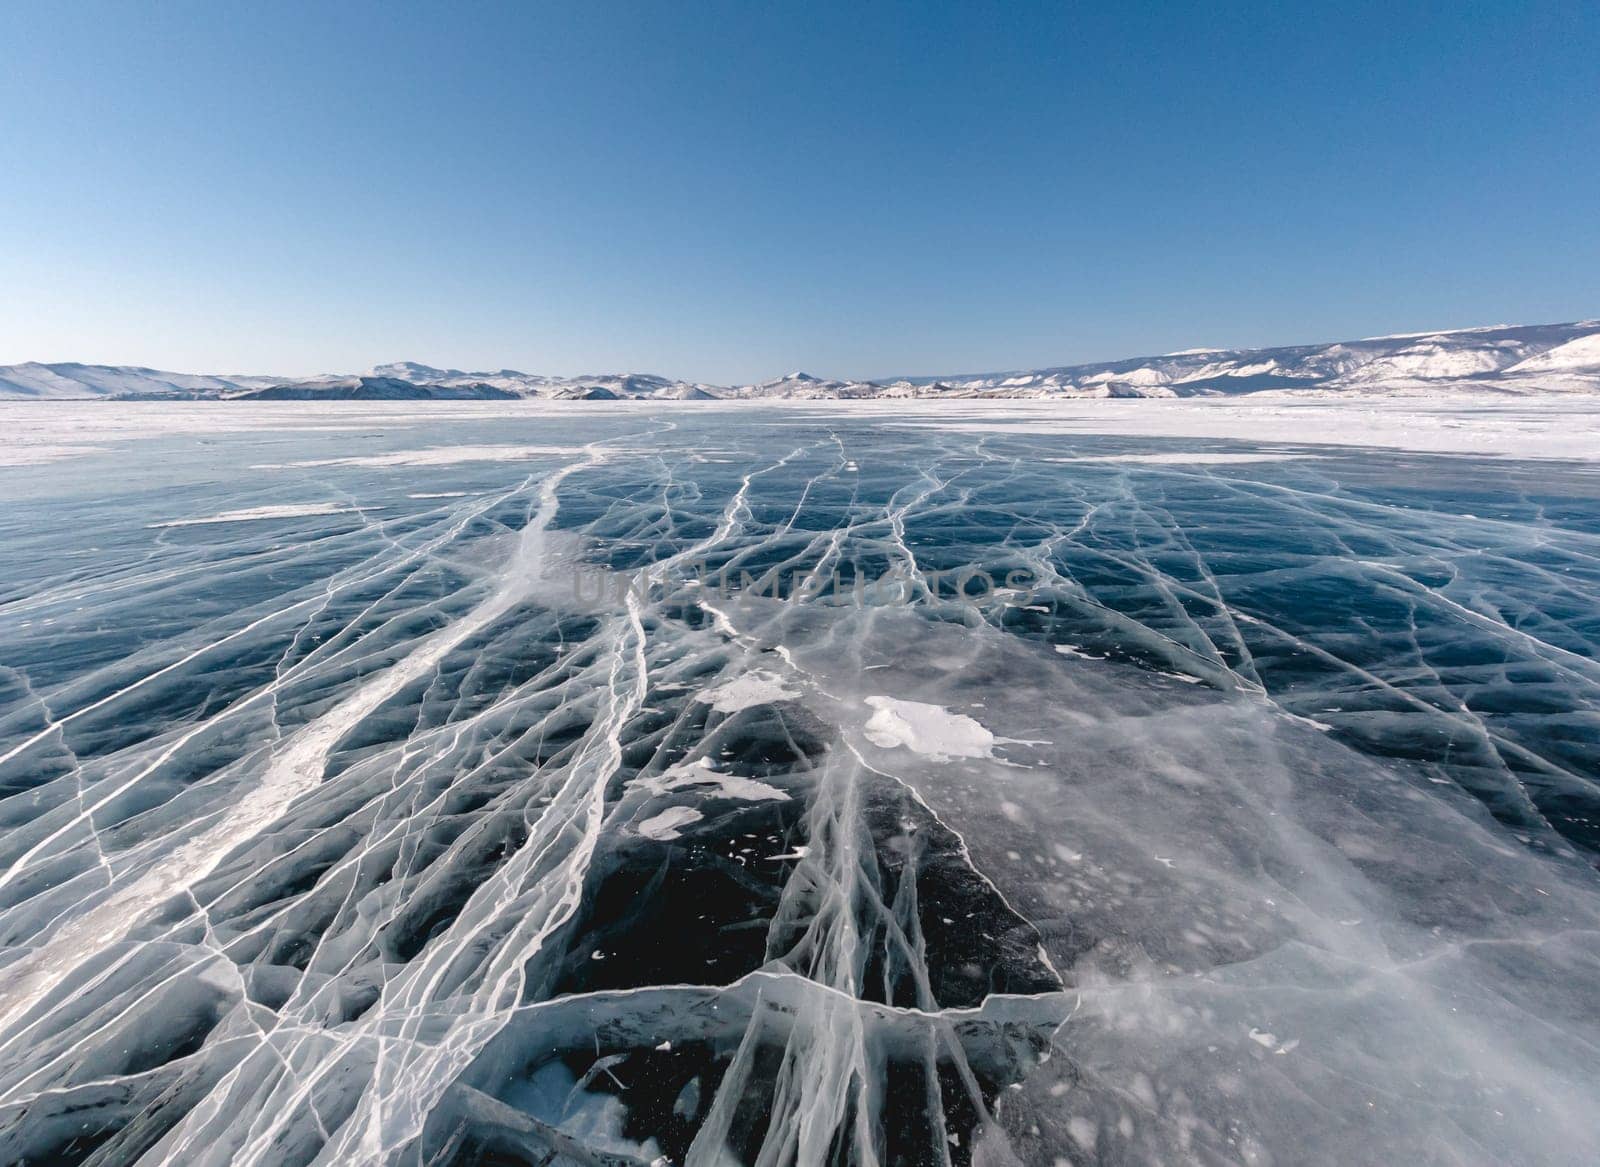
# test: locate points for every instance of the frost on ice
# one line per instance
(1260, 827)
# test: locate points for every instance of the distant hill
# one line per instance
(1539, 358)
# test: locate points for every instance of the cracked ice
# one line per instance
(1258, 825)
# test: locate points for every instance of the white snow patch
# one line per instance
(38, 455)
(436, 456)
(754, 688)
(926, 729)
(1580, 355)
(250, 514)
(1194, 458)
(1563, 427)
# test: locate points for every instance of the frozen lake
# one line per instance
(799, 784)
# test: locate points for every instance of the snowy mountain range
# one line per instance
(1542, 358)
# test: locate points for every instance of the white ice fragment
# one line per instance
(1084, 1131)
(1073, 650)
(687, 1104)
(752, 689)
(666, 825)
(931, 730)
(702, 773)
(1319, 726)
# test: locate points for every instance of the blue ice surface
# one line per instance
(1202, 811)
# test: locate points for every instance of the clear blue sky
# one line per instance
(731, 191)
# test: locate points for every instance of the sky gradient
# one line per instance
(732, 191)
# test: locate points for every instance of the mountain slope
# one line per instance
(369, 388)
(1505, 357)
(1541, 358)
(70, 380)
